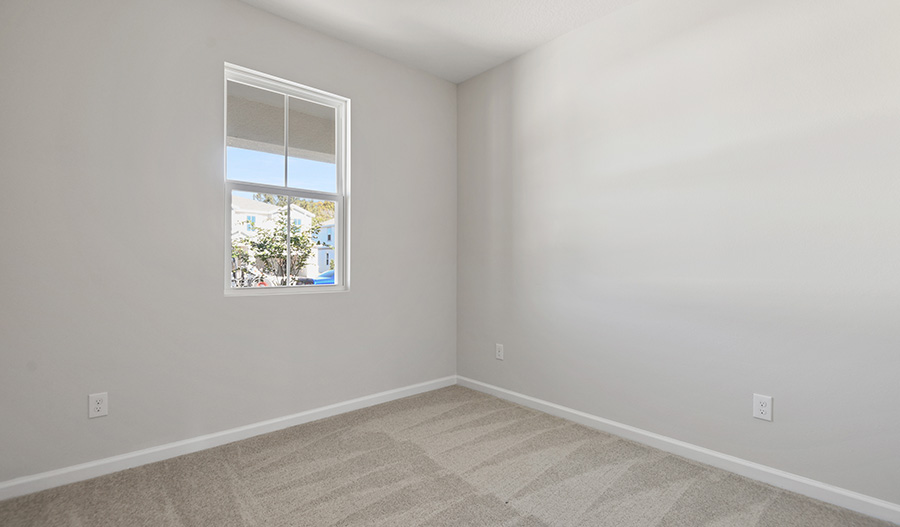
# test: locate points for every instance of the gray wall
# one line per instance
(723, 180)
(112, 235)
(720, 177)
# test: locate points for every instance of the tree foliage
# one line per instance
(323, 210)
(240, 265)
(269, 248)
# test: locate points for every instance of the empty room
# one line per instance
(512, 263)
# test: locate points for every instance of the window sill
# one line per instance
(286, 290)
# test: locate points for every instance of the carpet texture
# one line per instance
(449, 457)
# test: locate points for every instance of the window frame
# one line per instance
(341, 196)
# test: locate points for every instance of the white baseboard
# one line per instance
(100, 467)
(808, 487)
(848, 499)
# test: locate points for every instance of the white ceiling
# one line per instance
(453, 39)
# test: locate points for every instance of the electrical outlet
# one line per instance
(499, 352)
(762, 407)
(98, 405)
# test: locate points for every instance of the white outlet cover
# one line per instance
(762, 407)
(98, 405)
(499, 352)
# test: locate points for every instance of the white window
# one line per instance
(287, 163)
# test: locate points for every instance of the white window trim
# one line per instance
(341, 197)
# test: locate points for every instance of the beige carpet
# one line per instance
(448, 457)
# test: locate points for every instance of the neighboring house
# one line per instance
(249, 214)
(324, 257)
(325, 246)
(326, 234)
(261, 214)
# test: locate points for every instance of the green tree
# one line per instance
(272, 199)
(241, 272)
(269, 249)
(323, 210)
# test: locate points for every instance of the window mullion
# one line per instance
(288, 246)
(289, 198)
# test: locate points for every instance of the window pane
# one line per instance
(311, 161)
(255, 135)
(258, 234)
(258, 240)
(313, 244)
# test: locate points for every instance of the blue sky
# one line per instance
(261, 167)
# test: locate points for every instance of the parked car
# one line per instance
(326, 278)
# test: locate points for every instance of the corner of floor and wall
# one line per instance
(657, 215)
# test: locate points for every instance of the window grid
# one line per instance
(341, 107)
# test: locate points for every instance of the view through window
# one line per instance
(286, 182)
